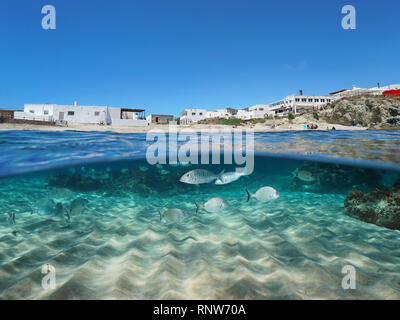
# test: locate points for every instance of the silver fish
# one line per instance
(77, 206)
(199, 176)
(172, 215)
(213, 205)
(59, 209)
(264, 194)
(305, 176)
(229, 177)
(46, 209)
(11, 218)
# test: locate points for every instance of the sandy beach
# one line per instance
(281, 124)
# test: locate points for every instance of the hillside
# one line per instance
(375, 112)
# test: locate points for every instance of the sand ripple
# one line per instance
(293, 248)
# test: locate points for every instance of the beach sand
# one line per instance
(281, 124)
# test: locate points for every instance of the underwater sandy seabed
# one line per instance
(117, 248)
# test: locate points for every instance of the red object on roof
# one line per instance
(394, 93)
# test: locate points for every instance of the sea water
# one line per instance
(117, 247)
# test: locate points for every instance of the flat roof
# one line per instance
(132, 110)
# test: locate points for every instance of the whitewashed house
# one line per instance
(244, 114)
(259, 111)
(83, 114)
(298, 104)
(189, 116)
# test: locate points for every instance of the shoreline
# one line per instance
(280, 125)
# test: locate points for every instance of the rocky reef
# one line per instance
(375, 112)
(145, 181)
(337, 178)
(380, 207)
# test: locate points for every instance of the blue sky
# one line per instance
(170, 55)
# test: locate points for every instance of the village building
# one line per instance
(189, 116)
(159, 118)
(83, 114)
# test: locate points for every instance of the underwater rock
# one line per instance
(77, 182)
(149, 181)
(335, 178)
(380, 207)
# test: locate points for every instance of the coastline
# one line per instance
(282, 124)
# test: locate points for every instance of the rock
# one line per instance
(336, 178)
(367, 111)
(380, 207)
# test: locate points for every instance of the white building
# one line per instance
(298, 104)
(356, 91)
(83, 114)
(259, 111)
(244, 114)
(160, 118)
(189, 116)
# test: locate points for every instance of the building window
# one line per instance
(297, 99)
(96, 114)
(201, 113)
(316, 100)
(304, 100)
(261, 109)
(329, 100)
(322, 100)
(32, 111)
(193, 113)
(45, 112)
(71, 113)
(309, 99)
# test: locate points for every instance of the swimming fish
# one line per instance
(59, 209)
(11, 218)
(47, 208)
(305, 176)
(264, 194)
(213, 205)
(229, 177)
(77, 206)
(172, 215)
(199, 176)
(143, 169)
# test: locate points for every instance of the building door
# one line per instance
(156, 119)
(61, 116)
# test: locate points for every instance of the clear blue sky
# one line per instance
(170, 55)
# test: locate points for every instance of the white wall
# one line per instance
(39, 109)
(114, 118)
(193, 115)
(81, 114)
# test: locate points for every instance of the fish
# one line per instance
(77, 206)
(264, 194)
(143, 169)
(47, 208)
(11, 218)
(213, 205)
(172, 215)
(59, 209)
(305, 176)
(229, 177)
(200, 176)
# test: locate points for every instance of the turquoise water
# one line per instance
(116, 247)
